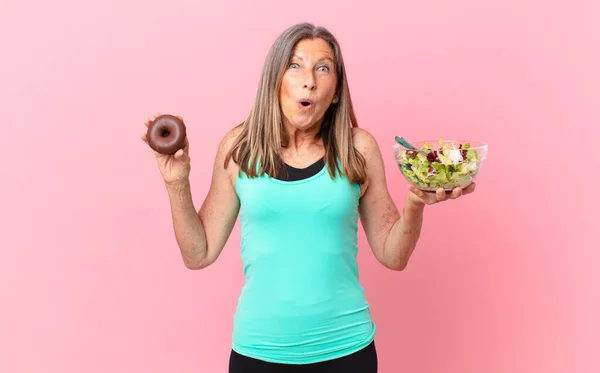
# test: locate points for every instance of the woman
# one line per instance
(299, 173)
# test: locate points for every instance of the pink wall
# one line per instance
(91, 280)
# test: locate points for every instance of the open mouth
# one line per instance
(305, 103)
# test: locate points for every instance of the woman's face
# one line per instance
(308, 85)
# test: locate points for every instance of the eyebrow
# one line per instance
(319, 60)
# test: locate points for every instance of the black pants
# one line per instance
(363, 361)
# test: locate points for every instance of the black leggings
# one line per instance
(363, 361)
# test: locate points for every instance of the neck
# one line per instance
(302, 140)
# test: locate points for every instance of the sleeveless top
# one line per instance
(302, 301)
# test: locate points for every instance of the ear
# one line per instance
(335, 99)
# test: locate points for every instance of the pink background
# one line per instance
(91, 279)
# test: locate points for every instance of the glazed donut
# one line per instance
(166, 134)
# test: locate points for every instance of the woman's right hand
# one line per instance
(173, 168)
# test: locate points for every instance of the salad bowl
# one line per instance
(448, 164)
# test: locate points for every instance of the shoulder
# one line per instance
(225, 166)
(228, 144)
(365, 143)
(229, 139)
(224, 159)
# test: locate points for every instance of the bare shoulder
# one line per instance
(365, 143)
(228, 140)
(225, 145)
(229, 173)
(367, 146)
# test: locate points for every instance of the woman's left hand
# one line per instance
(422, 198)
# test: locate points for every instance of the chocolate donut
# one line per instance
(166, 134)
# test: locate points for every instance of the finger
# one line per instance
(144, 138)
(180, 155)
(147, 122)
(180, 117)
(456, 192)
(440, 194)
(469, 189)
(419, 193)
(157, 115)
(419, 196)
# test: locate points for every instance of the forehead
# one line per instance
(313, 48)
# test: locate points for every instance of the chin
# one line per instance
(302, 125)
(303, 122)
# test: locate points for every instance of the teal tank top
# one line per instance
(302, 301)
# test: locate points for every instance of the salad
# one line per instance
(447, 166)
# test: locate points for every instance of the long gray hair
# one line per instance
(262, 134)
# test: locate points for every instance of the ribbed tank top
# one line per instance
(302, 301)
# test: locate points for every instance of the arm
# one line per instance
(202, 235)
(392, 236)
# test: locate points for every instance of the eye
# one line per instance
(293, 65)
(324, 68)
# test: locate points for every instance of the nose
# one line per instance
(309, 81)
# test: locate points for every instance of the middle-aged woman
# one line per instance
(299, 173)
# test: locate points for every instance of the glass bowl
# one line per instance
(446, 164)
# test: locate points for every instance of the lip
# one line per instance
(307, 107)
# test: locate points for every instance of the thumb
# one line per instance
(416, 191)
(181, 155)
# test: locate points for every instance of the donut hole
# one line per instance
(164, 132)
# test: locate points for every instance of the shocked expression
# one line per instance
(308, 85)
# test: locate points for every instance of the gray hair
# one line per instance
(263, 134)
